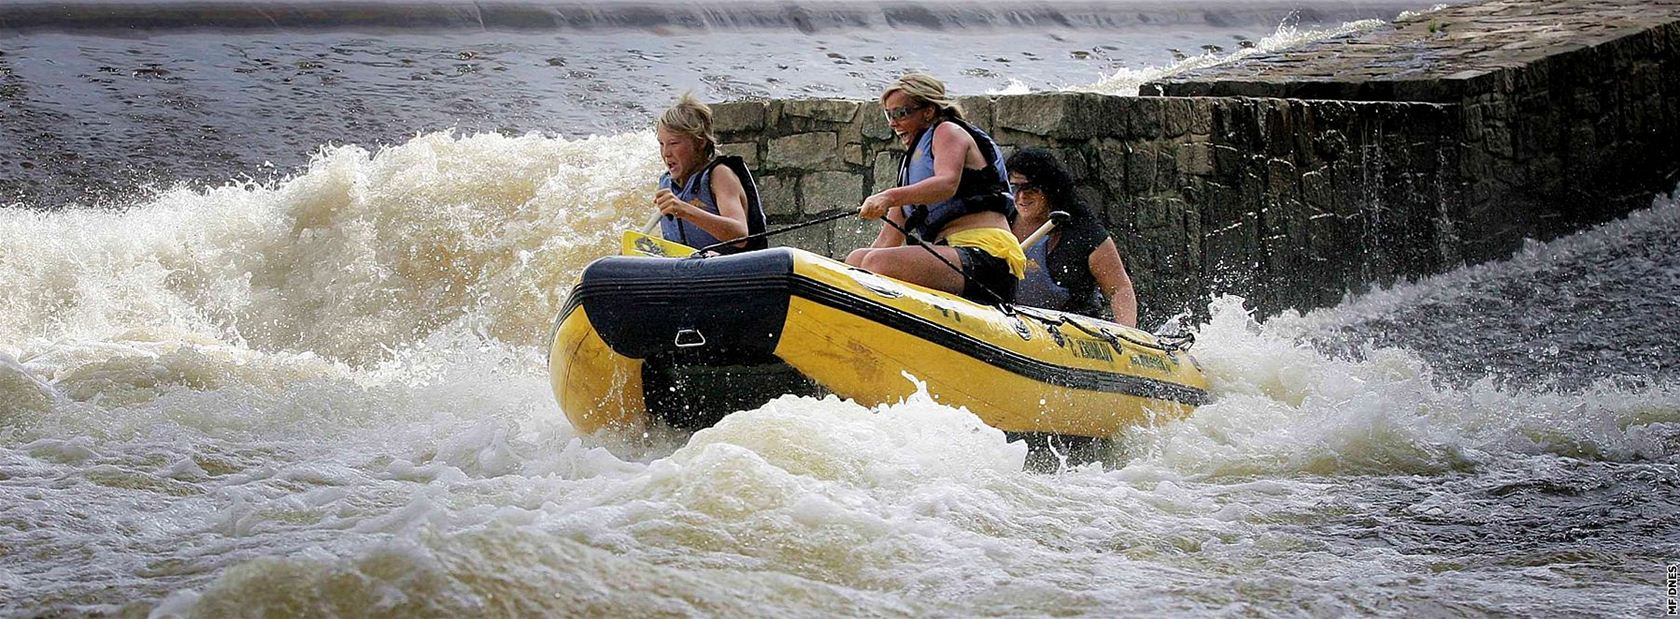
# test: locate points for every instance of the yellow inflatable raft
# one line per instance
(688, 340)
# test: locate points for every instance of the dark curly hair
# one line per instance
(1047, 175)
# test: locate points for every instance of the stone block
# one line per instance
(1071, 159)
(1041, 114)
(822, 192)
(1281, 179)
(805, 151)
(1195, 158)
(1326, 240)
(1178, 116)
(779, 197)
(1093, 196)
(871, 123)
(1166, 169)
(1201, 117)
(884, 174)
(1108, 162)
(1474, 117)
(824, 110)
(1477, 162)
(1121, 212)
(1227, 160)
(1062, 116)
(852, 154)
(851, 233)
(747, 151)
(1315, 190)
(1498, 139)
(739, 118)
(1231, 254)
(1107, 118)
(1277, 129)
(1225, 205)
(1144, 117)
(1140, 171)
(1158, 213)
(813, 239)
(1161, 249)
(979, 111)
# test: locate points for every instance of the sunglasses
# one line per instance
(898, 113)
(1020, 187)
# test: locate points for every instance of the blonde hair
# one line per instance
(925, 89)
(692, 118)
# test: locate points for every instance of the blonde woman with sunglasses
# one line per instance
(952, 193)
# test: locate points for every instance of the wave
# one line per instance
(360, 254)
(807, 16)
(1289, 33)
(326, 394)
(405, 264)
(1282, 407)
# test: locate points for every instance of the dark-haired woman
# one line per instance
(1076, 268)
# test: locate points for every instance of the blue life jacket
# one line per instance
(1060, 278)
(978, 191)
(698, 191)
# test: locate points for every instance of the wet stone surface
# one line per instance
(1431, 56)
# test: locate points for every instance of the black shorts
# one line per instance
(983, 272)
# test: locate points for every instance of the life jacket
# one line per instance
(978, 191)
(698, 191)
(1060, 278)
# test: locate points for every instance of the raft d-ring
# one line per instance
(1021, 328)
(1056, 336)
(689, 338)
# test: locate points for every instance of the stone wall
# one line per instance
(1296, 177)
(1570, 108)
(1289, 203)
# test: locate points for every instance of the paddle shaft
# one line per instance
(1056, 218)
(652, 223)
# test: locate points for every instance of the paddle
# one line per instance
(1056, 218)
(644, 243)
(652, 223)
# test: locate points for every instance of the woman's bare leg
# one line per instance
(913, 263)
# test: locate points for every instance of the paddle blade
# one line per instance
(639, 244)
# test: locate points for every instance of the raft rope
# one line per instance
(1175, 342)
(1001, 304)
(848, 213)
(769, 233)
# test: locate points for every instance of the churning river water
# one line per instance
(270, 345)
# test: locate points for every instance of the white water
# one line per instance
(326, 396)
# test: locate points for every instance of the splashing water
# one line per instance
(1126, 82)
(362, 253)
(324, 396)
